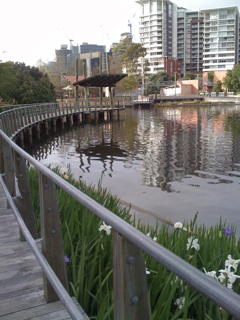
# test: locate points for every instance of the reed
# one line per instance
(90, 257)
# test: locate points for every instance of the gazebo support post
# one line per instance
(85, 88)
(100, 93)
(109, 88)
(100, 72)
(76, 87)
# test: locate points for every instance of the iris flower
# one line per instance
(211, 274)
(228, 231)
(180, 302)
(179, 225)
(106, 228)
(193, 243)
(154, 238)
(66, 259)
(231, 263)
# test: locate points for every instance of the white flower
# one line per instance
(227, 275)
(193, 243)
(211, 274)
(106, 228)
(176, 279)
(231, 263)
(179, 225)
(180, 302)
(154, 238)
(147, 272)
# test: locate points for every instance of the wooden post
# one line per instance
(76, 87)
(101, 93)
(1, 156)
(85, 88)
(52, 237)
(129, 280)
(9, 169)
(24, 204)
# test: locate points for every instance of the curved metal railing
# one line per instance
(210, 288)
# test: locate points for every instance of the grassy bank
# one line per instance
(90, 258)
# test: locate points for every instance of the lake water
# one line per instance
(173, 162)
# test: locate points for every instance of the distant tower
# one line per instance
(130, 25)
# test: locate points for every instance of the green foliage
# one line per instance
(90, 254)
(232, 79)
(129, 53)
(211, 76)
(218, 87)
(155, 78)
(23, 84)
(189, 76)
(126, 84)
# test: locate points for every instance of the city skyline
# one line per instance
(29, 33)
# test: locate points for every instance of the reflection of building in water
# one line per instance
(168, 144)
(182, 141)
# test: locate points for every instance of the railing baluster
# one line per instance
(29, 116)
(25, 117)
(52, 237)
(129, 280)
(24, 204)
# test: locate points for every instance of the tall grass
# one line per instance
(90, 253)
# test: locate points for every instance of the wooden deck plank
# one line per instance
(16, 289)
(37, 312)
(22, 302)
(21, 277)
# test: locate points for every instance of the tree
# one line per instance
(218, 87)
(211, 76)
(129, 53)
(189, 76)
(155, 79)
(232, 79)
(127, 84)
(24, 84)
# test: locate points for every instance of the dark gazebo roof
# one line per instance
(101, 80)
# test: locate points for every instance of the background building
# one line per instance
(203, 40)
(221, 41)
(190, 40)
(86, 48)
(158, 29)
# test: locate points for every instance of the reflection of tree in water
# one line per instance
(166, 144)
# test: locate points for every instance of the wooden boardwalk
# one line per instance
(21, 281)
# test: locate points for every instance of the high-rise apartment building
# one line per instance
(158, 29)
(203, 40)
(190, 40)
(221, 38)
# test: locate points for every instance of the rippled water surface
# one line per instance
(170, 161)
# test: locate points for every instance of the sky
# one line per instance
(30, 30)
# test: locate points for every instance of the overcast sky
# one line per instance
(31, 30)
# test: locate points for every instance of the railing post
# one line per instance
(129, 281)
(1, 155)
(51, 233)
(9, 168)
(24, 203)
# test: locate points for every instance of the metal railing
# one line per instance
(17, 118)
(124, 235)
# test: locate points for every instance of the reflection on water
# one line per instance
(190, 152)
(165, 144)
